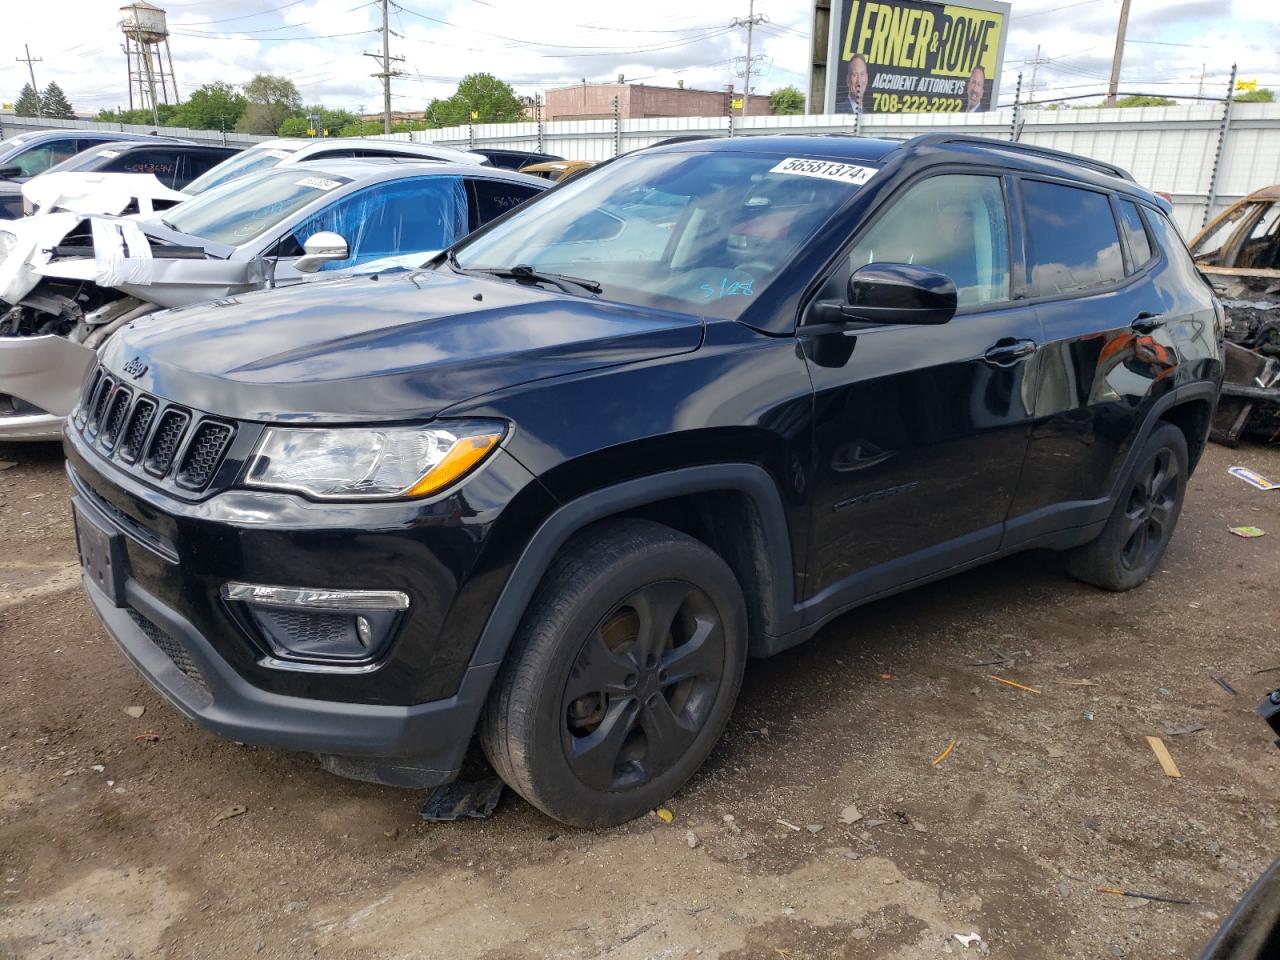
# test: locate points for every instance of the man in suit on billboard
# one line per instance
(858, 80)
(974, 90)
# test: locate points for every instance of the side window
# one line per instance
(162, 164)
(1135, 234)
(199, 163)
(39, 159)
(493, 198)
(952, 223)
(335, 153)
(1169, 240)
(424, 214)
(1074, 245)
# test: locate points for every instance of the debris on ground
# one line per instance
(1012, 683)
(850, 814)
(147, 738)
(135, 712)
(665, 815)
(1162, 754)
(474, 799)
(1224, 685)
(968, 940)
(886, 677)
(1253, 479)
(814, 828)
(1078, 683)
(1118, 892)
(692, 839)
(946, 752)
(789, 826)
(1249, 533)
(1180, 729)
(229, 813)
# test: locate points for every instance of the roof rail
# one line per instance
(931, 139)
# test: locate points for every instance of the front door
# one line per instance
(921, 430)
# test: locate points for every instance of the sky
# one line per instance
(537, 46)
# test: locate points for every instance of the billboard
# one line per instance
(914, 56)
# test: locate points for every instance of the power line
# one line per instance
(386, 73)
(243, 16)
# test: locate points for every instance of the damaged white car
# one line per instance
(68, 281)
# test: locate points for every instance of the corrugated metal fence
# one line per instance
(12, 126)
(1170, 149)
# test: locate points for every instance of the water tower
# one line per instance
(146, 48)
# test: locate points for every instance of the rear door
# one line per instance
(921, 430)
(490, 199)
(1092, 268)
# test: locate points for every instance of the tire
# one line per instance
(600, 712)
(1138, 531)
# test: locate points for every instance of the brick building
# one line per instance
(594, 101)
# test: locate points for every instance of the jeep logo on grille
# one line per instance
(135, 368)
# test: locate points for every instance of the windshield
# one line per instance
(86, 160)
(699, 232)
(250, 161)
(236, 213)
(13, 145)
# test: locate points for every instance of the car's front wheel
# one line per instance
(622, 677)
(1138, 531)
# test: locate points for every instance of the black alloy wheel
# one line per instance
(643, 685)
(1150, 514)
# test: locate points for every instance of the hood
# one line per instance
(397, 347)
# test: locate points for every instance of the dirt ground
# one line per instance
(111, 843)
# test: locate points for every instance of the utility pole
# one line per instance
(1200, 86)
(1035, 66)
(752, 19)
(1119, 54)
(386, 73)
(30, 61)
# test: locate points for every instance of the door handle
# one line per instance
(1008, 352)
(1146, 322)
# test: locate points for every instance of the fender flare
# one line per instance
(1202, 390)
(746, 478)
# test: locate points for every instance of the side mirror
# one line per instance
(321, 248)
(892, 293)
(10, 172)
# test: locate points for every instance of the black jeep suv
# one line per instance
(555, 488)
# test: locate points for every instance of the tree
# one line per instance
(1144, 100)
(143, 116)
(54, 103)
(786, 101)
(215, 106)
(1256, 96)
(28, 104)
(325, 122)
(482, 94)
(271, 101)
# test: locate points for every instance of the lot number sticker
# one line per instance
(319, 183)
(850, 173)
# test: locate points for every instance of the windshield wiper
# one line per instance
(526, 274)
(166, 223)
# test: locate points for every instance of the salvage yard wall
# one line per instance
(1169, 149)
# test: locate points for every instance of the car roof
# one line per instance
(929, 149)
(376, 169)
(175, 145)
(114, 135)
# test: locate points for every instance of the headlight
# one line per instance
(363, 463)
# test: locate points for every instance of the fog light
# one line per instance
(337, 628)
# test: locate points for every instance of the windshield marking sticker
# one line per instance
(278, 154)
(319, 183)
(850, 173)
(111, 154)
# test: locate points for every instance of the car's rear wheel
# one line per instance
(622, 677)
(1138, 531)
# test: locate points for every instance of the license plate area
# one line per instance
(102, 553)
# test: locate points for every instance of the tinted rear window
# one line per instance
(1074, 244)
(1135, 234)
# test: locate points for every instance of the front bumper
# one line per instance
(420, 745)
(30, 426)
(406, 719)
